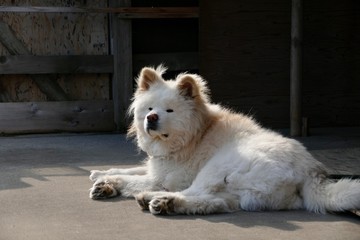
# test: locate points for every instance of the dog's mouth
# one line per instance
(153, 133)
(152, 129)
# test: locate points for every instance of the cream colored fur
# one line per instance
(203, 158)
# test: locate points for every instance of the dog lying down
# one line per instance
(203, 158)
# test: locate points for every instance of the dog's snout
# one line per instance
(152, 121)
(152, 117)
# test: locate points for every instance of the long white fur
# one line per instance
(204, 158)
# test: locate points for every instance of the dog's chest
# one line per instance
(171, 176)
(176, 181)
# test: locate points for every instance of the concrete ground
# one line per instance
(44, 195)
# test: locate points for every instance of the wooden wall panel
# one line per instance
(331, 86)
(244, 54)
(19, 88)
(58, 34)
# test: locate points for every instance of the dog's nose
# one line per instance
(152, 117)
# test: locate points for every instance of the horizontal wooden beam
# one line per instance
(157, 12)
(67, 116)
(123, 12)
(30, 9)
(28, 64)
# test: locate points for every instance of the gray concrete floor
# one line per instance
(44, 194)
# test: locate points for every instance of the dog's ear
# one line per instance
(188, 87)
(193, 86)
(147, 77)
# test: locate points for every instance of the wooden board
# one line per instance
(58, 34)
(122, 12)
(45, 84)
(39, 117)
(56, 64)
(20, 88)
(23, 64)
(122, 78)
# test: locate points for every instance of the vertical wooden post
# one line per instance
(296, 67)
(122, 79)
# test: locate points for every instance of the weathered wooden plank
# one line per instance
(15, 47)
(27, 64)
(157, 12)
(173, 61)
(122, 12)
(122, 80)
(68, 116)
(33, 9)
(11, 43)
(59, 34)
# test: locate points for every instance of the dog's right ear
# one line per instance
(148, 76)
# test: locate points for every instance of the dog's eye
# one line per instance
(169, 110)
(150, 109)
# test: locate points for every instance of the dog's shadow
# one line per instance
(282, 220)
(291, 220)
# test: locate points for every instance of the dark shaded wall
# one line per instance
(245, 52)
(331, 89)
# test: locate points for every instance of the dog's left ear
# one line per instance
(193, 86)
(188, 86)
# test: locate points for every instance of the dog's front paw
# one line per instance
(102, 190)
(162, 205)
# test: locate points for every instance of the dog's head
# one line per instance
(167, 114)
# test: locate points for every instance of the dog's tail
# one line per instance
(327, 195)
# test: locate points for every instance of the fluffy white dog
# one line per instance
(203, 158)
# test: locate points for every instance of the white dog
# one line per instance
(205, 159)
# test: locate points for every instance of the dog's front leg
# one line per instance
(125, 185)
(96, 174)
